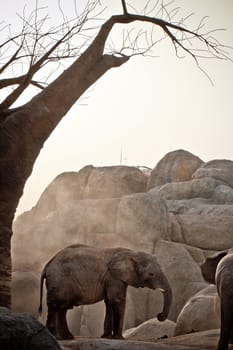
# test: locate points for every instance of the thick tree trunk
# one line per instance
(24, 130)
(5, 266)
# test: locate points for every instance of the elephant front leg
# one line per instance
(118, 318)
(116, 295)
(108, 321)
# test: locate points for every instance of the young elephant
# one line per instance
(80, 274)
(219, 269)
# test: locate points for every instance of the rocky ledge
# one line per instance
(206, 340)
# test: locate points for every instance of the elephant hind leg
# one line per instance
(62, 326)
(226, 328)
(51, 322)
(231, 337)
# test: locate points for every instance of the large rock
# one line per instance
(91, 182)
(174, 167)
(151, 330)
(196, 188)
(88, 320)
(199, 313)
(219, 169)
(205, 340)
(65, 187)
(142, 219)
(115, 182)
(20, 331)
(204, 231)
(198, 206)
(182, 271)
(223, 195)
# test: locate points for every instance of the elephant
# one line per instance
(81, 274)
(218, 269)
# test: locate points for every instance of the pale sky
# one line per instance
(144, 109)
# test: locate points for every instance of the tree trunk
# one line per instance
(24, 130)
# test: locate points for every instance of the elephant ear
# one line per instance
(123, 267)
(208, 268)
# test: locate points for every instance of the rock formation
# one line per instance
(182, 212)
(20, 331)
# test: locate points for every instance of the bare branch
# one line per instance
(124, 7)
(39, 53)
(36, 48)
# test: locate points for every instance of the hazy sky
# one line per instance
(144, 109)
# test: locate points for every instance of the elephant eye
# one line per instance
(151, 274)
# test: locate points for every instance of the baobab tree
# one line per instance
(24, 129)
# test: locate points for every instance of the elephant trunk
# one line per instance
(165, 288)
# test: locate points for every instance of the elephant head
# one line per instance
(208, 268)
(140, 269)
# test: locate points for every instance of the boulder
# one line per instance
(65, 187)
(88, 320)
(91, 182)
(182, 271)
(151, 330)
(20, 331)
(142, 304)
(142, 219)
(205, 340)
(219, 169)
(204, 231)
(223, 195)
(198, 206)
(196, 188)
(115, 182)
(198, 314)
(174, 167)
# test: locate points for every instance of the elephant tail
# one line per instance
(42, 277)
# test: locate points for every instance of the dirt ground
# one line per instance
(206, 340)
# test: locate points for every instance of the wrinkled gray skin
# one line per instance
(218, 269)
(80, 275)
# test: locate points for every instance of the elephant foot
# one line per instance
(118, 336)
(222, 345)
(108, 336)
(113, 336)
(67, 336)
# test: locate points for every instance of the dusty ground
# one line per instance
(199, 341)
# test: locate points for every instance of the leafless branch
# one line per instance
(42, 47)
(196, 42)
(34, 48)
